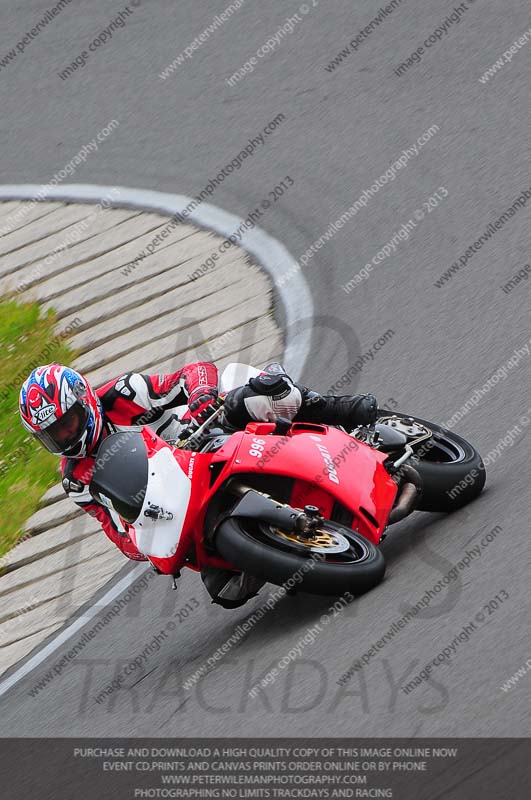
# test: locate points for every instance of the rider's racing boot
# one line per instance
(347, 410)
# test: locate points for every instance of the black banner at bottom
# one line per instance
(131, 769)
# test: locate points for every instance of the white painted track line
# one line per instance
(271, 255)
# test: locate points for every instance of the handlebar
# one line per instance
(186, 440)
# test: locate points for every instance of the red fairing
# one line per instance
(328, 467)
(196, 466)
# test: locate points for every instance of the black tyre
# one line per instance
(451, 469)
(276, 557)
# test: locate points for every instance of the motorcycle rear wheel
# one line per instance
(452, 470)
(276, 556)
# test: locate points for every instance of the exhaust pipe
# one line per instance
(409, 494)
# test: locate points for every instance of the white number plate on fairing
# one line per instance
(169, 488)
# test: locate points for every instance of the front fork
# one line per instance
(259, 506)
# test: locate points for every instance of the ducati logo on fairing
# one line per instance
(329, 463)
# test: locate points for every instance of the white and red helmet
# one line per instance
(61, 410)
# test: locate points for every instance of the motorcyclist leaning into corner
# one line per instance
(70, 419)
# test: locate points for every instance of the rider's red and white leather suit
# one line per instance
(132, 400)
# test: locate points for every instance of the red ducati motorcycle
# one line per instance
(280, 498)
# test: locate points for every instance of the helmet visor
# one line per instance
(62, 437)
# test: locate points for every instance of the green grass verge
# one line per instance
(27, 470)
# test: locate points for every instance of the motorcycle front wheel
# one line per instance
(337, 560)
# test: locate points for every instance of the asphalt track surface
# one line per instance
(342, 130)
